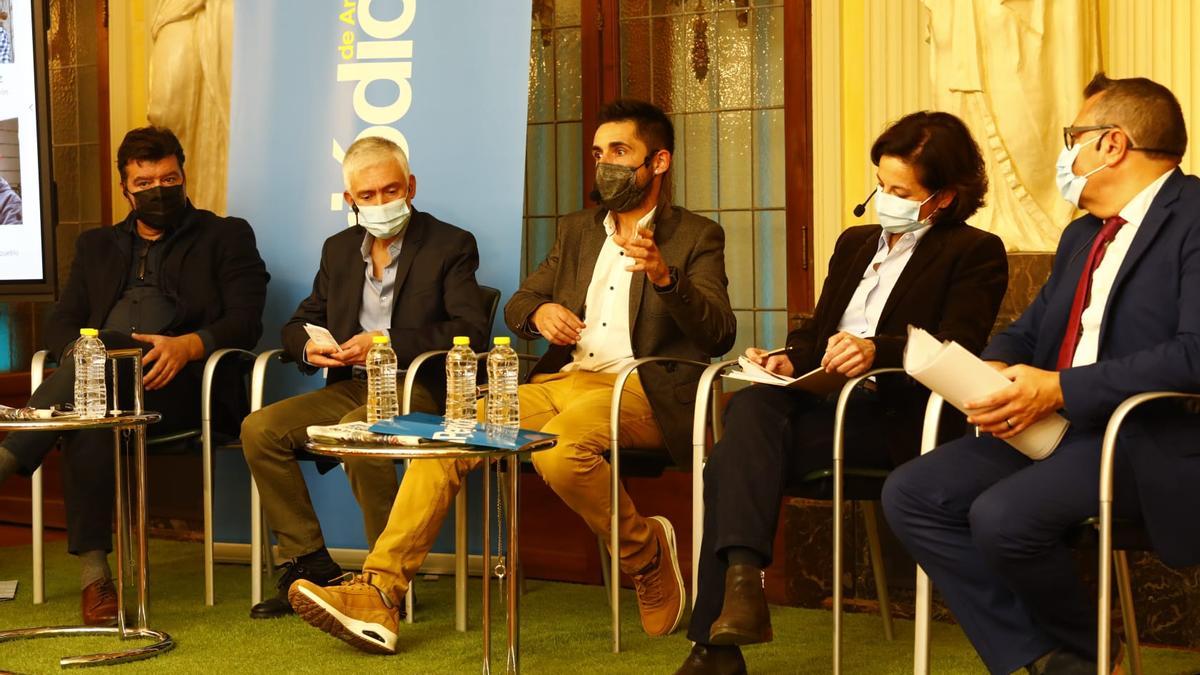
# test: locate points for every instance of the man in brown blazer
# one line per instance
(636, 277)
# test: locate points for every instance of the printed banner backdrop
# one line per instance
(447, 79)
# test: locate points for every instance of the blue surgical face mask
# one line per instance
(1070, 186)
(898, 215)
(384, 221)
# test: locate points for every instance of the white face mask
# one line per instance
(1070, 186)
(385, 221)
(898, 215)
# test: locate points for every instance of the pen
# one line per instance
(781, 350)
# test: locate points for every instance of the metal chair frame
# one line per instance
(1107, 558)
(614, 460)
(37, 369)
(708, 395)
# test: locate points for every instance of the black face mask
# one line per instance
(161, 206)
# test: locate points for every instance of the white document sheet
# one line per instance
(320, 336)
(959, 376)
(816, 381)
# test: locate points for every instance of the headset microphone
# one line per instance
(860, 209)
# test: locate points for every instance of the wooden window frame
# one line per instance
(600, 42)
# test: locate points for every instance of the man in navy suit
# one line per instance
(1119, 315)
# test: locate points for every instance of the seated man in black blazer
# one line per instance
(400, 273)
(923, 266)
(175, 280)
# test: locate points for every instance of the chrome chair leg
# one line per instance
(1128, 618)
(256, 544)
(604, 568)
(871, 516)
(461, 558)
(39, 541)
(37, 370)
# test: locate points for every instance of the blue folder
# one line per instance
(435, 427)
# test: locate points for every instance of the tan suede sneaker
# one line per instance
(660, 591)
(356, 611)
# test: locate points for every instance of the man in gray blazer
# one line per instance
(635, 277)
(399, 272)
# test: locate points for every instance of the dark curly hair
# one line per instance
(941, 151)
(654, 128)
(147, 144)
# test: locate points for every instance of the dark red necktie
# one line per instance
(1083, 291)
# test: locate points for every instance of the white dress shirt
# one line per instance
(605, 345)
(1088, 347)
(861, 317)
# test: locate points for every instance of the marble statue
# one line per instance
(190, 57)
(1014, 71)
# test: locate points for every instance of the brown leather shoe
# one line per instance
(713, 660)
(744, 619)
(659, 587)
(99, 603)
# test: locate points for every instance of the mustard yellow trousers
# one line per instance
(573, 405)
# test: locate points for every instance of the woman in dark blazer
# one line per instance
(922, 266)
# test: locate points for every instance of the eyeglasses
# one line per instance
(1069, 133)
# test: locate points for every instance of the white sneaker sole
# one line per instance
(367, 636)
(677, 575)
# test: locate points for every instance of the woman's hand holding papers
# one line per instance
(848, 354)
(1033, 394)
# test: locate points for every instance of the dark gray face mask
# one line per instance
(616, 185)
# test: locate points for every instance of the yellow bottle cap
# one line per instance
(380, 339)
(462, 340)
(502, 340)
(90, 332)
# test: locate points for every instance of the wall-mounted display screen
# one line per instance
(26, 227)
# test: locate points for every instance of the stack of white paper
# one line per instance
(960, 376)
(357, 432)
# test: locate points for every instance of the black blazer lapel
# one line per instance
(345, 304)
(408, 252)
(850, 279)
(927, 251)
(117, 272)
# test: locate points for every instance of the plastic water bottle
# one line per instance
(460, 382)
(91, 396)
(382, 402)
(503, 410)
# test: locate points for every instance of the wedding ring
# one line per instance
(1009, 423)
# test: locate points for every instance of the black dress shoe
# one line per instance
(744, 619)
(1063, 662)
(713, 660)
(322, 573)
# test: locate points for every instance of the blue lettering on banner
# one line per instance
(390, 61)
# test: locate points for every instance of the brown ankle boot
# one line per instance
(713, 660)
(744, 619)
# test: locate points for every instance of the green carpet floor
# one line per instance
(565, 629)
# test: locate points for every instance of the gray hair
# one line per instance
(370, 150)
